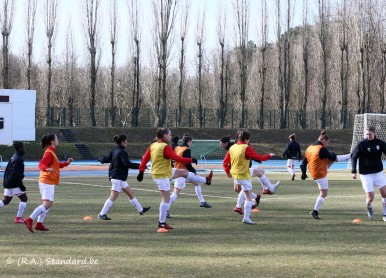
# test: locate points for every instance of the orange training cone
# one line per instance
(87, 217)
(255, 210)
(162, 230)
(357, 221)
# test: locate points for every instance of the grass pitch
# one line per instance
(285, 242)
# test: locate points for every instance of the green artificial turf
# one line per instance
(285, 242)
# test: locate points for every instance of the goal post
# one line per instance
(207, 152)
(363, 121)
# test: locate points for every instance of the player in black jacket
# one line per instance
(369, 152)
(292, 153)
(13, 181)
(118, 171)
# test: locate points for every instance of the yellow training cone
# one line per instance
(357, 221)
(255, 210)
(87, 217)
(162, 230)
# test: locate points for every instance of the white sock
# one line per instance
(254, 195)
(384, 206)
(197, 188)
(240, 199)
(265, 182)
(289, 170)
(195, 178)
(39, 210)
(343, 157)
(1, 204)
(43, 216)
(136, 204)
(106, 207)
(163, 208)
(22, 206)
(319, 202)
(247, 209)
(293, 171)
(173, 197)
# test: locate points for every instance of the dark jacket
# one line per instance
(369, 153)
(324, 153)
(188, 154)
(14, 173)
(119, 163)
(292, 151)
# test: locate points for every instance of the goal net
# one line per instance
(208, 153)
(363, 121)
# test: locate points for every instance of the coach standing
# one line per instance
(369, 152)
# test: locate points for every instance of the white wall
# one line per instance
(19, 116)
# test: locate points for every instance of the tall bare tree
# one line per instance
(70, 74)
(30, 27)
(242, 21)
(51, 13)
(324, 38)
(135, 39)
(164, 12)
(264, 57)
(284, 61)
(223, 96)
(306, 65)
(184, 22)
(113, 41)
(344, 62)
(200, 41)
(382, 46)
(91, 16)
(8, 10)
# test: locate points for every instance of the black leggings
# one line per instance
(23, 198)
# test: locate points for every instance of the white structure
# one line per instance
(362, 121)
(17, 116)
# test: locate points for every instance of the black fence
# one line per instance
(210, 118)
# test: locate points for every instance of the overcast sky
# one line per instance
(70, 14)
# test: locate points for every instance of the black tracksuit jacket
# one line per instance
(369, 153)
(292, 151)
(14, 172)
(119, 163)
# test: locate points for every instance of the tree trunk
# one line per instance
(180, 86)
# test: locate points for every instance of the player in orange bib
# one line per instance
(49, 178)
(161, 153)
(319, 159)
(180, 183)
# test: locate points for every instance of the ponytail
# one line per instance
(47, 139)
(243, 135)
(292, 137)
(323, 136)
(186, 138)
(119, 138)
(161, 132)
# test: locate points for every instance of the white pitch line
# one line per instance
(268, 199)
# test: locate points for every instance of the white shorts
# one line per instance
(322, 183)
(118, 185)
(164, 183)
(291, 162)
(369, 180)
(180, 183)
(10, 192)
(251, 171)
(245, 184)
(47, 191)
